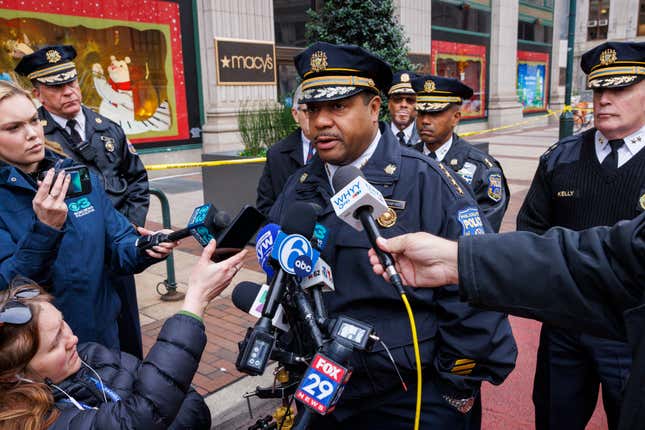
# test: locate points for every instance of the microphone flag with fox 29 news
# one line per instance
(322, 384)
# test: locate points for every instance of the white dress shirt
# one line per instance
(633, 143)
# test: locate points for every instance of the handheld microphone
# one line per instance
(264, 245)
(250, 298)
(357, 202)
(320, 277)
(203, 225)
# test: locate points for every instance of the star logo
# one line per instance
(226, 62)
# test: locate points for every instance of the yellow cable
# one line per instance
(417, 359)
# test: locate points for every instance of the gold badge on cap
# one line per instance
(642, 201)
(390, 169)
(388, 219)
(405, 77)
(607, 57)
(303, 177)
(429, 86)
(98, 120)
(53, 56)
(318, 61)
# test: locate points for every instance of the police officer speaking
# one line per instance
(438, 113)
(596, 178)
(100, 144)
(460, 346)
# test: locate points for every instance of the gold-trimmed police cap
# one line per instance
(51, 65)
(402, 83)
(436, 93)
(333, 72)
(614, 64)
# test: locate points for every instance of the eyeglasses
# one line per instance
(15, 312)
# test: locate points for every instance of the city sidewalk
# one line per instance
(508, 406)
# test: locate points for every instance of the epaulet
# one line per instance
(479, 155)
(442, 170)
(451, 180)
(55, 147)
(560, 144)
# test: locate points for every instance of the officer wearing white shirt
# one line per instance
(401, 101)
(596, 178)
(438, 106)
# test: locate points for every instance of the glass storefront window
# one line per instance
(460, 17)
(289, 17)
(532, 80)
(468, 64)
(534, 31)
(130, 61)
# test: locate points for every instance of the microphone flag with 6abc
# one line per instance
(295, 254)
(354, 195)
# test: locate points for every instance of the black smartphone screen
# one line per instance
(80, 182)
(238, 233)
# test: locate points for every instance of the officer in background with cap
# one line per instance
(400, 103)
(285, 157)
(100, 144)
(595, 178)
(460, 346)
(438, 106)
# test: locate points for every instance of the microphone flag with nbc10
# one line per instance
(357, 193)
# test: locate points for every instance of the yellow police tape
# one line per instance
(151, 167)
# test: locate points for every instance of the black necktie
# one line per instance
(432, 155)
(401, 137)
(76, 138)
(611, 161)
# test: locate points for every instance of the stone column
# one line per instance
(623, 19)
(251, 19)
(503, 107)
(558, 56)
(416, 18)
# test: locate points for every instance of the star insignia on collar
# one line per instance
(303, 177)
(53, 56)
(98, 120)
(318, 61)
(607, 57)
(454, 162)
(43, 122)
(390, 169)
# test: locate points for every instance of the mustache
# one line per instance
(328, 135)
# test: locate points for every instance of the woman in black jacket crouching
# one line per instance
(47, 382)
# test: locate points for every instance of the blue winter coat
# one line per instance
(73, 263)
(150, 394)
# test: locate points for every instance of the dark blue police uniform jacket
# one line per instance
(593, 279)
(448, 328)
(483, 173)
(112, 158)
(283, 158)
(72, 263)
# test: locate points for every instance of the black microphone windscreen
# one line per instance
(299, 218)
(221, 220)
(344, 175)
(244, 295)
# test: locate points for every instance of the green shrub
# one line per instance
(263, 125)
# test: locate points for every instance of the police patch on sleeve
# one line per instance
(471, 222)
(495, 187)
(467, 172)
(130, 147)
